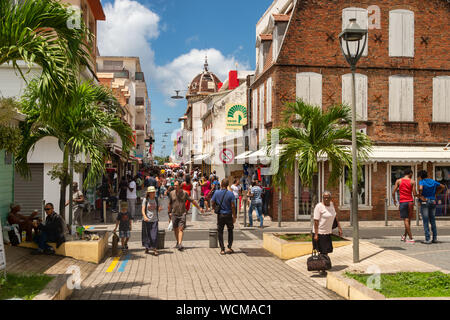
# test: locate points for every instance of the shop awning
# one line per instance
(201, 157)
(244, 155)
(406, 154)
(259, 154)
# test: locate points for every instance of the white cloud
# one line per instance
(128, 31)
(181, 71)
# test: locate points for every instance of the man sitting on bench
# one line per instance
(51, 231)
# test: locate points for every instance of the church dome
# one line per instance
(204, 83)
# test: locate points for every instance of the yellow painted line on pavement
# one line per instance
(113, 264)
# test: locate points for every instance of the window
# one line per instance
(396, 172)
(255, 109)
(362, 19)
(401, 98)
(442, 175)
(278, 33)
(309, 87)
(401, 33)
(363, 187)
(269, 100)
(441, 99)
(112, 65)
(261, 113)
(361, 94)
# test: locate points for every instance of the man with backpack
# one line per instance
(225, 208)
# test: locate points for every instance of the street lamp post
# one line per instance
(358, 37)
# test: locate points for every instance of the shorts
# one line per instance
(124, 234)
(404, 209)
(179, 221)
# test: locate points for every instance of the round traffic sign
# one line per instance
(226, 156)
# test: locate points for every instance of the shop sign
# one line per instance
(237, 116)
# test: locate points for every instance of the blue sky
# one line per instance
(171, 37)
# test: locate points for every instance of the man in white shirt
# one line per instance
(131, 197)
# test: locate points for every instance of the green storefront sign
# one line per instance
(236, 116)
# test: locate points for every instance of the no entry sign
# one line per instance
(226, 156)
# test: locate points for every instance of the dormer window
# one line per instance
(263, 44)
(280, 23)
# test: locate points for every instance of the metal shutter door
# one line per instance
(29, 194)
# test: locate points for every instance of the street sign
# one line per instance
(226, 156)
(2, 250)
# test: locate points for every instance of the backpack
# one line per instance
(14, 235)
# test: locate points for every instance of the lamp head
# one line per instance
(353, 32)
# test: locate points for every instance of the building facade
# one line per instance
(402, 84)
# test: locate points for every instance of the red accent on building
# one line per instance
(233, 81)
(219, 85)
(97, 9)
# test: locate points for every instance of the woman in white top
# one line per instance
(324, 217)
(236, 188)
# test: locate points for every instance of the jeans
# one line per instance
(258, 208)
(222, 220)
(428, 211)
(132, 208)
(41, 240)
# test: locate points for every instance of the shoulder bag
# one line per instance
(318, 262)
(217, 208)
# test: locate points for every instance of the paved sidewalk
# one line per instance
(200, 273)
(20, 260)
(371, 255)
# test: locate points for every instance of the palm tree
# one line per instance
(308, 133)
(83, 128)
(38, 32)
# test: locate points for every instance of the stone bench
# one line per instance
(89, 251)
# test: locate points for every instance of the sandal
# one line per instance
(230, 251)
(222, 253)
(155, 253)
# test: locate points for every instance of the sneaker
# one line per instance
(410, 241)
(180, 248)
(427, 242)
(126, 246)
(49, 251)
(435, 241)
(177, 246)
(403, 238)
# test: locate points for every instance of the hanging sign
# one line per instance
(226, 156)
(237, 116)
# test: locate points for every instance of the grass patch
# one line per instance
(305, 237)
(23, 286)
(410, 284)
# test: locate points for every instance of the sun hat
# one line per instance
(151, 189)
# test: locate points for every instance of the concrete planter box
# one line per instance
(89, 251)
(286, 250)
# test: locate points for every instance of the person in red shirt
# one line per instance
(187, 186)
(407, 190)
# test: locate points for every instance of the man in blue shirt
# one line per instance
(255, 193)
(224, 205)
(428, 188)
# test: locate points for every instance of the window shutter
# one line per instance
(309, 87)
(408, 33)
(255, 109)
(395, 34)
(261, 113)
(362, 18)
(269, 100)
(441, 99)
(394, 98)
(401, 98)
(401, 33)
(361, 94)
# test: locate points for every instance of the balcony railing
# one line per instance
(122, 74)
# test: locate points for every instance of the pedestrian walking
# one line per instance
(105, 195)
(407, 190)
(77, 205)
(150, 219)
(324, 217)
(428, 189)
(236, 189)
(206, 189)
(131, 197)
(139, 186)
(123, 186)
(187, 186)
(224, 205)
(123, 221)
(255, 193)
(196, 195)
(177, 211)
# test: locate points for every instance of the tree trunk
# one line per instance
(63, 182)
